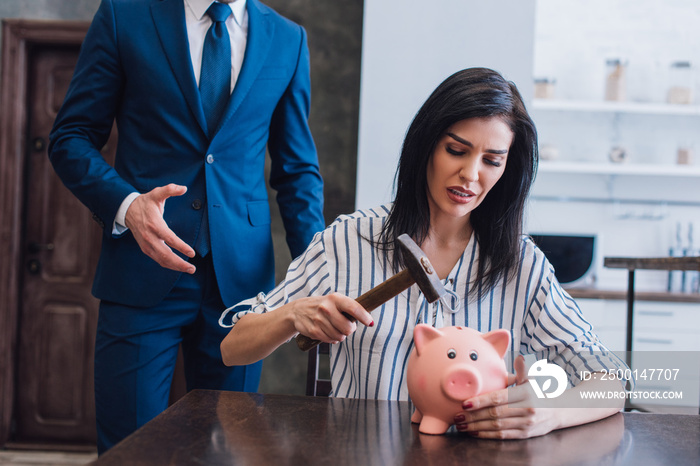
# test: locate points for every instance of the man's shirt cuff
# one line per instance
(119, 226)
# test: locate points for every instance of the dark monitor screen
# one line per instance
(571, 256)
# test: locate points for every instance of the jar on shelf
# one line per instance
(544, 88)
(615, 81)
(618, 154)
(680, 90)
(548, 152)
(685, 154)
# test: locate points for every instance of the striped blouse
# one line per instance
(371, 363)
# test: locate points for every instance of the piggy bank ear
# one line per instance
(499, 339)
(424, 334)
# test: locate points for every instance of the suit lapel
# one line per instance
(169, 19)
(260, 31)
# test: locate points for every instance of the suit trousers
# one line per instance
(136, 350)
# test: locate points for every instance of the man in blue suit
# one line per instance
(181, 183)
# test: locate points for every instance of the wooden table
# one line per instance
(211, 428)
(645, 263)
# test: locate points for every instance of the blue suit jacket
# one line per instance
(135, 66)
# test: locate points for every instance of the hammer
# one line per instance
(418, 270)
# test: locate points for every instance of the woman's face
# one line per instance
(467, 162)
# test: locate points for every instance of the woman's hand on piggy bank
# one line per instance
(509, 413)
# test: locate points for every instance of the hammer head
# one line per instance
(421, 270)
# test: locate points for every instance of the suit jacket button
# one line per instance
(196, 204)
(210, 158)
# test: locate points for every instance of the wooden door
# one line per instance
(49, 246)
(58, 315)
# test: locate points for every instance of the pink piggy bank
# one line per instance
(450, 365)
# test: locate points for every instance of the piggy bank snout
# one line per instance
(462, 382)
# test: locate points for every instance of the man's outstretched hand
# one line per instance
(145, 220)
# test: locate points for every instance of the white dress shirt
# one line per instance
(198, 23)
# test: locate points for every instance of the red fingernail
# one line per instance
(459, 418)
(371, 324)
(467, 405)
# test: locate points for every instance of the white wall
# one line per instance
(408, 48)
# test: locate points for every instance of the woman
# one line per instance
(466, 167)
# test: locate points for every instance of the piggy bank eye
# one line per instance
(474, 355)
(451, 353)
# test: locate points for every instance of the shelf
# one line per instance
(616, 107)
(595, 293)
(592, 168)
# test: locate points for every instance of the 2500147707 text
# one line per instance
(633, 374)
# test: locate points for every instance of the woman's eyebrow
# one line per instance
(467, 143)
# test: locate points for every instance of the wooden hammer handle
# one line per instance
(370, 301)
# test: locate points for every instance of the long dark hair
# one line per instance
(498, 221)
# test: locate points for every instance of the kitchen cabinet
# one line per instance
(658, 325)
(664, 331)
(662, 326)
(608, 320)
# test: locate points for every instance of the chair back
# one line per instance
(318, 382)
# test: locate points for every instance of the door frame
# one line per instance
(18, 38)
